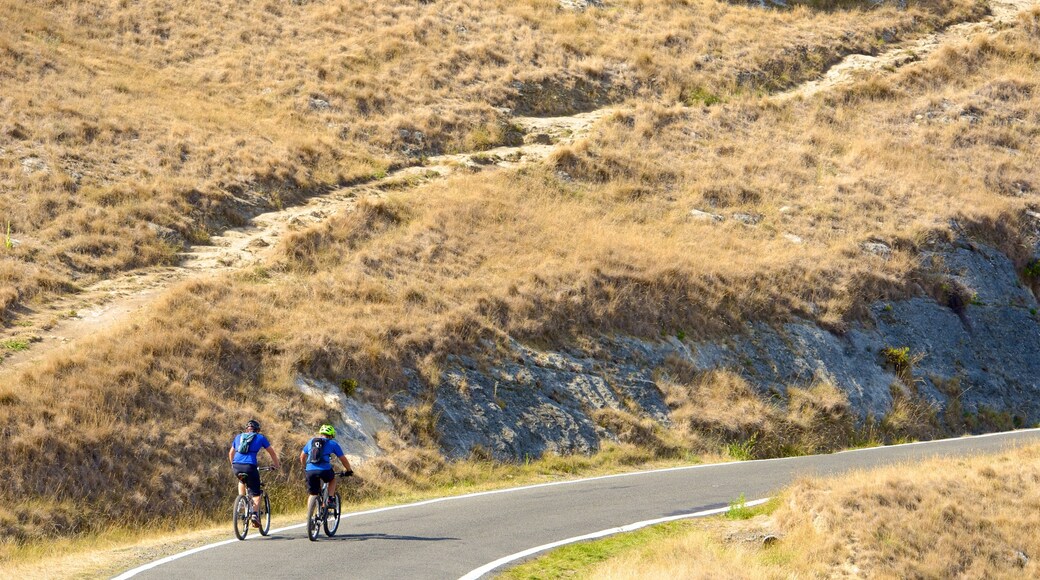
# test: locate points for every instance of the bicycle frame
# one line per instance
(242, 519)
(318, 513)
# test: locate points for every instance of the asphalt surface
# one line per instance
(447, 539)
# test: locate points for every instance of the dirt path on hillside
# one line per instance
(856, 66)
(108, 303)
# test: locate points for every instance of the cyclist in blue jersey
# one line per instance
(242, 456)
(317, 456)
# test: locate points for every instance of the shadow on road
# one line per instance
(696, 509)
(392, 537)
(359, 538)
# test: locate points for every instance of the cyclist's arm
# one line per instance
(346, 464)
(231, 455)
(303, 458)
(274, 457)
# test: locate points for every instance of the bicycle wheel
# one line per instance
(313, 518)
(332, 519)
(265, 515)
(240, 515)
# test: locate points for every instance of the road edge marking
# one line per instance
(144, 567)
(479, 572)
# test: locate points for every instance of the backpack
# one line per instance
(317, 454)
(245, 442)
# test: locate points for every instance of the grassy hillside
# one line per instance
(599, 240)
(128, 129)
(965, 518)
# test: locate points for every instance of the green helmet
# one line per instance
(327, 429)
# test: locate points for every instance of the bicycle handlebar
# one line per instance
(266, 468)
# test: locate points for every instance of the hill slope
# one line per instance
(686, 221)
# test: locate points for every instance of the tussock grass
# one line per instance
(128, 129)
(405, 475)
(944, 518)
(599, 241)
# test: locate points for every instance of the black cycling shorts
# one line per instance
(314, 479)
(252, 479)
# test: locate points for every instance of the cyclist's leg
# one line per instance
(329, 476)
(253, 485)
(314, 483)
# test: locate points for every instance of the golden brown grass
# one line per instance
(600, 241)
(944, 518)
(118, 115)
(405, 475)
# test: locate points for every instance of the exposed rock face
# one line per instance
(705, 216)
(32, 165)
(542, 401)
(579, 5)
(529, 401)
(359, 422)
(568, 94)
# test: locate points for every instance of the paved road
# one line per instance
(448, 538)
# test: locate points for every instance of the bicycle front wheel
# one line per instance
(265, 515)
(313, 518)
(240, 516)
(332, 519)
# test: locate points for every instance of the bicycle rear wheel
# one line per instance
(265, 515)
(313, 518)
(332, 519)
(240, 515)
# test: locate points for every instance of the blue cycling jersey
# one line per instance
(259, 442)
(331, 448)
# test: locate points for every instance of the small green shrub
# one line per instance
(1033, 269)
(16, 345)
(348, 386)
(899, 358)
(698, 96)
(742, 451)
(738, 509)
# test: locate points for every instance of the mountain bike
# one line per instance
(243, 510)
(321, 515)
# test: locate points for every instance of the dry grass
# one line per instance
(403, 476)
(118, 117)
(724, 409)
(944, 518)
(601, 241)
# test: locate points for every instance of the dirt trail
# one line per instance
(856, 66)
(112, 302)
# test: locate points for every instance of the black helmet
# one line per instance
(254, 425)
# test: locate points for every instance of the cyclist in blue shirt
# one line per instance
(316, 455)
(242, 456)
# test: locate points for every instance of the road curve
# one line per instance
(449, 537)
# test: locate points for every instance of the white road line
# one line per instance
(149, 566)
(475, 574)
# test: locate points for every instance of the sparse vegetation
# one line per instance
(738, 509)
(128, 126)
(899, 358)
(15, 345)
(598, 241)
(900, 522)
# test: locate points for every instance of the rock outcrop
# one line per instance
(983, 351)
